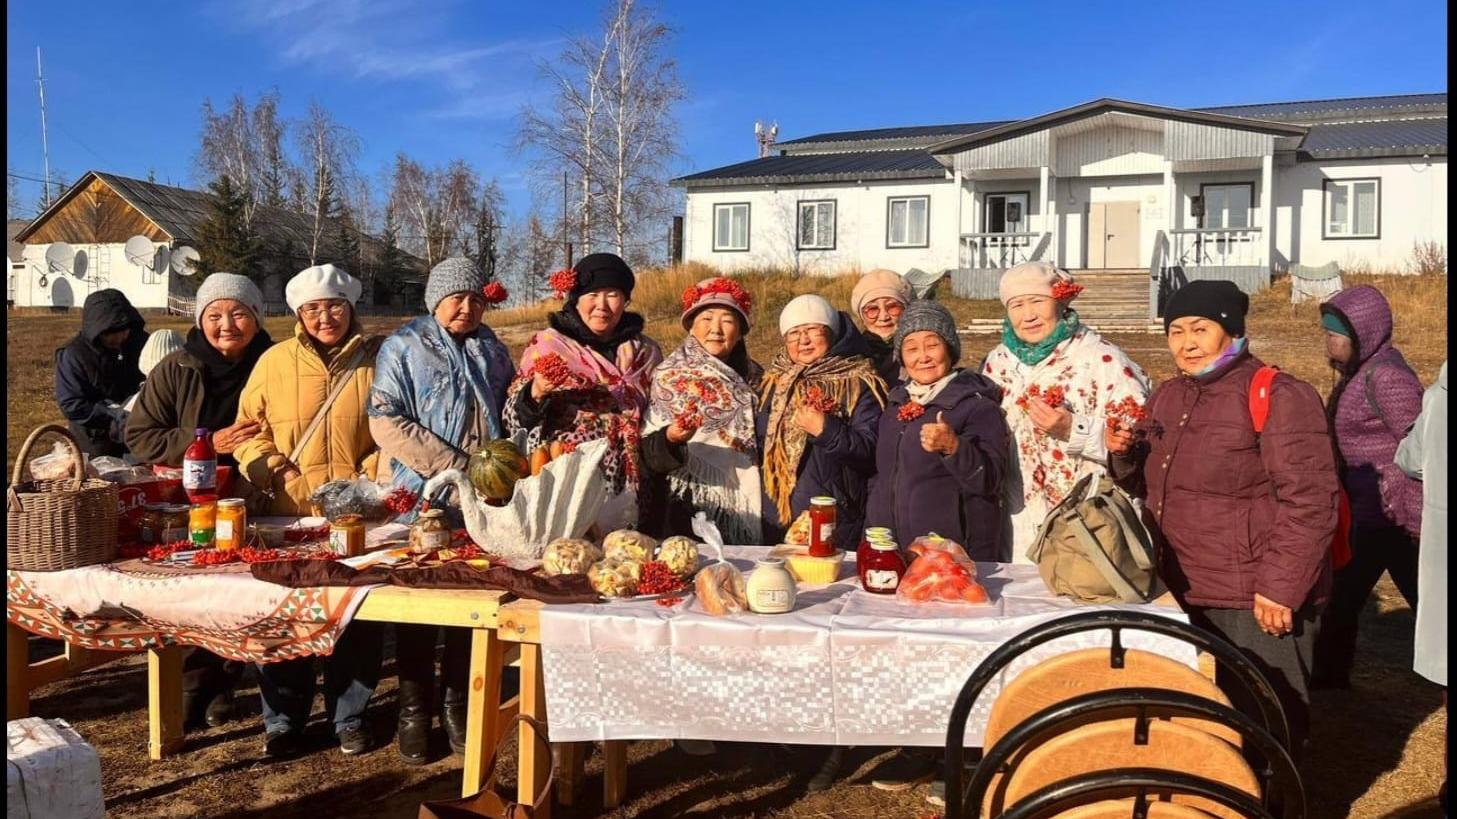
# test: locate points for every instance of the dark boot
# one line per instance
(453, 717)
(413, 732)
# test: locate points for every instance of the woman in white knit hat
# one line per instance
(1061, 383)
(289, 388)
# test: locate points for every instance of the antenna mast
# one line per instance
(44, 146)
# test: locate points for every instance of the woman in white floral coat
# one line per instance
(1061, 383)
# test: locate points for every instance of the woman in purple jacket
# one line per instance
(942, 450)
(1244, 519)
(1373, 405)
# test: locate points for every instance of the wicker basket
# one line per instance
(59, 524)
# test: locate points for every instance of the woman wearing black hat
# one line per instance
(588, 376)
(1245, 517)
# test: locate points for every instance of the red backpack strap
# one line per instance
(1260, 396)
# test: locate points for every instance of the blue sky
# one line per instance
(447, 78)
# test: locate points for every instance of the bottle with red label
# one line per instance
(200, 468)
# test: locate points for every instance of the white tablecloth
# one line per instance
(844, 668)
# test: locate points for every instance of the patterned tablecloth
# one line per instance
(135, 604)
(844, 668)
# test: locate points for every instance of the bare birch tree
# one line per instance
(229, 148)
(328, 151)
(273, 163)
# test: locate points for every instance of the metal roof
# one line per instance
(1399, 137)
(1334, 107)
(835, 167)
(926, 133)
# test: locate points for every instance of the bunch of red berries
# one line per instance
(657, 578)
(400, 500)
(162, 551)
(910, 412)
(563, 281)
(554, 368)
(215, 557)
(1052, 396)
(495, 293)
(1066, 289)
(815, 399)
(1124, 414)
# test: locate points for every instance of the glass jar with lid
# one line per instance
(430, 532)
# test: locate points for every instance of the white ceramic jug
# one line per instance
(771, 588)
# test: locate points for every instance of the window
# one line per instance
(1352, 209)
(1227, 206)
(907, 221)
(731, 226)
(1006, 212)
(817, 225)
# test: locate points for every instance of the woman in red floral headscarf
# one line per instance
(698, 443)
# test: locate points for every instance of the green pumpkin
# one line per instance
(495, 468)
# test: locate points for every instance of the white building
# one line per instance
(1233, 192)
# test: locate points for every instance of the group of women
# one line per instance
(879, 416)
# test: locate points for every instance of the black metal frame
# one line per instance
(1147, 704)
(1069, 793)
(1230, 657)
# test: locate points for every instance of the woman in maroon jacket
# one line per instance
(1244, 520)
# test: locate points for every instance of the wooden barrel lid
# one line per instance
(1106, 746)
(1086, 671)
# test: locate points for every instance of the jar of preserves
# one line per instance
(821, 526)
(175, 522)
(149, 527)
(875, 534)
(202, 523)
(346, 535)
(882, 569)
(232, 523)
(430, 532)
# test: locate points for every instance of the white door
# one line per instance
(1113, 235)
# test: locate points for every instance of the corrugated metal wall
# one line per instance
(975, 284)
(1026, 151)
(1186, 140)
(1110, 151)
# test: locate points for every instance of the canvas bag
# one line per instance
(1094, 548)
(488, 803)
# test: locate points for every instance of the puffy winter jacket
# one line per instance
(959, 496)
(284, 393)
(1371, 409)
(1237, 513)
(89, 376)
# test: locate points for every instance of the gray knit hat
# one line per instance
(928, 315)
(229, 286)
(454, 275)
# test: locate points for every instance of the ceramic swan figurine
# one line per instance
(562, 501)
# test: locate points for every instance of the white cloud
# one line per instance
(398, 41)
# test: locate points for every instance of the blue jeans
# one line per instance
(350, 676)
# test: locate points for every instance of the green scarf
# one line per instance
(1031, 354)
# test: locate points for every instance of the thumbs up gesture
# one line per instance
(938, 436)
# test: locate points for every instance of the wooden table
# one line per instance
(475, 610)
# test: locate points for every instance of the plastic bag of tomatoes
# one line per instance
(940, 571)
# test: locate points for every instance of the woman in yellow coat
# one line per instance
(285, 392)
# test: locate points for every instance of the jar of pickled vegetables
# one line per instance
(202, 524)
(430, 532)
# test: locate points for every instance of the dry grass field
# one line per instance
(1378, 748)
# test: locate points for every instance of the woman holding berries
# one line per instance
(1062, 386)
(440, 382)
(1245, 517)
(942, 449)
(819, 405)
(588, 375)
(698, 444)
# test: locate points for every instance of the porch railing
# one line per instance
(1217, 247)
(983, 251)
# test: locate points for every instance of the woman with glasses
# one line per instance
(879, 299)
(287, 390)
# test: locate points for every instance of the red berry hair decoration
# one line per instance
(563, 281)
(728, 287)
(494, 293)
(1065, 289)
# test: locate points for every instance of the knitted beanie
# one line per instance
(324, 281)
(599, 271)
(160, 344)
(1334, 323)
(1219, 301)
(229, 286)
(879, 284)
(922, 315)
(454, 275)
(808, 309)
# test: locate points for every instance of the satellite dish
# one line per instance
(161, 260)
(59, 258)
(139, 251)
(184, 260)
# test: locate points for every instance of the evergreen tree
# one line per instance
(345, 238)
(224, 241)
(391, 259)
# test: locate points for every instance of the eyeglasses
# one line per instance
(872, 311)
(808, 334)
(334, 308)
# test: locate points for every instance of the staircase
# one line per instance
(1112, 301)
